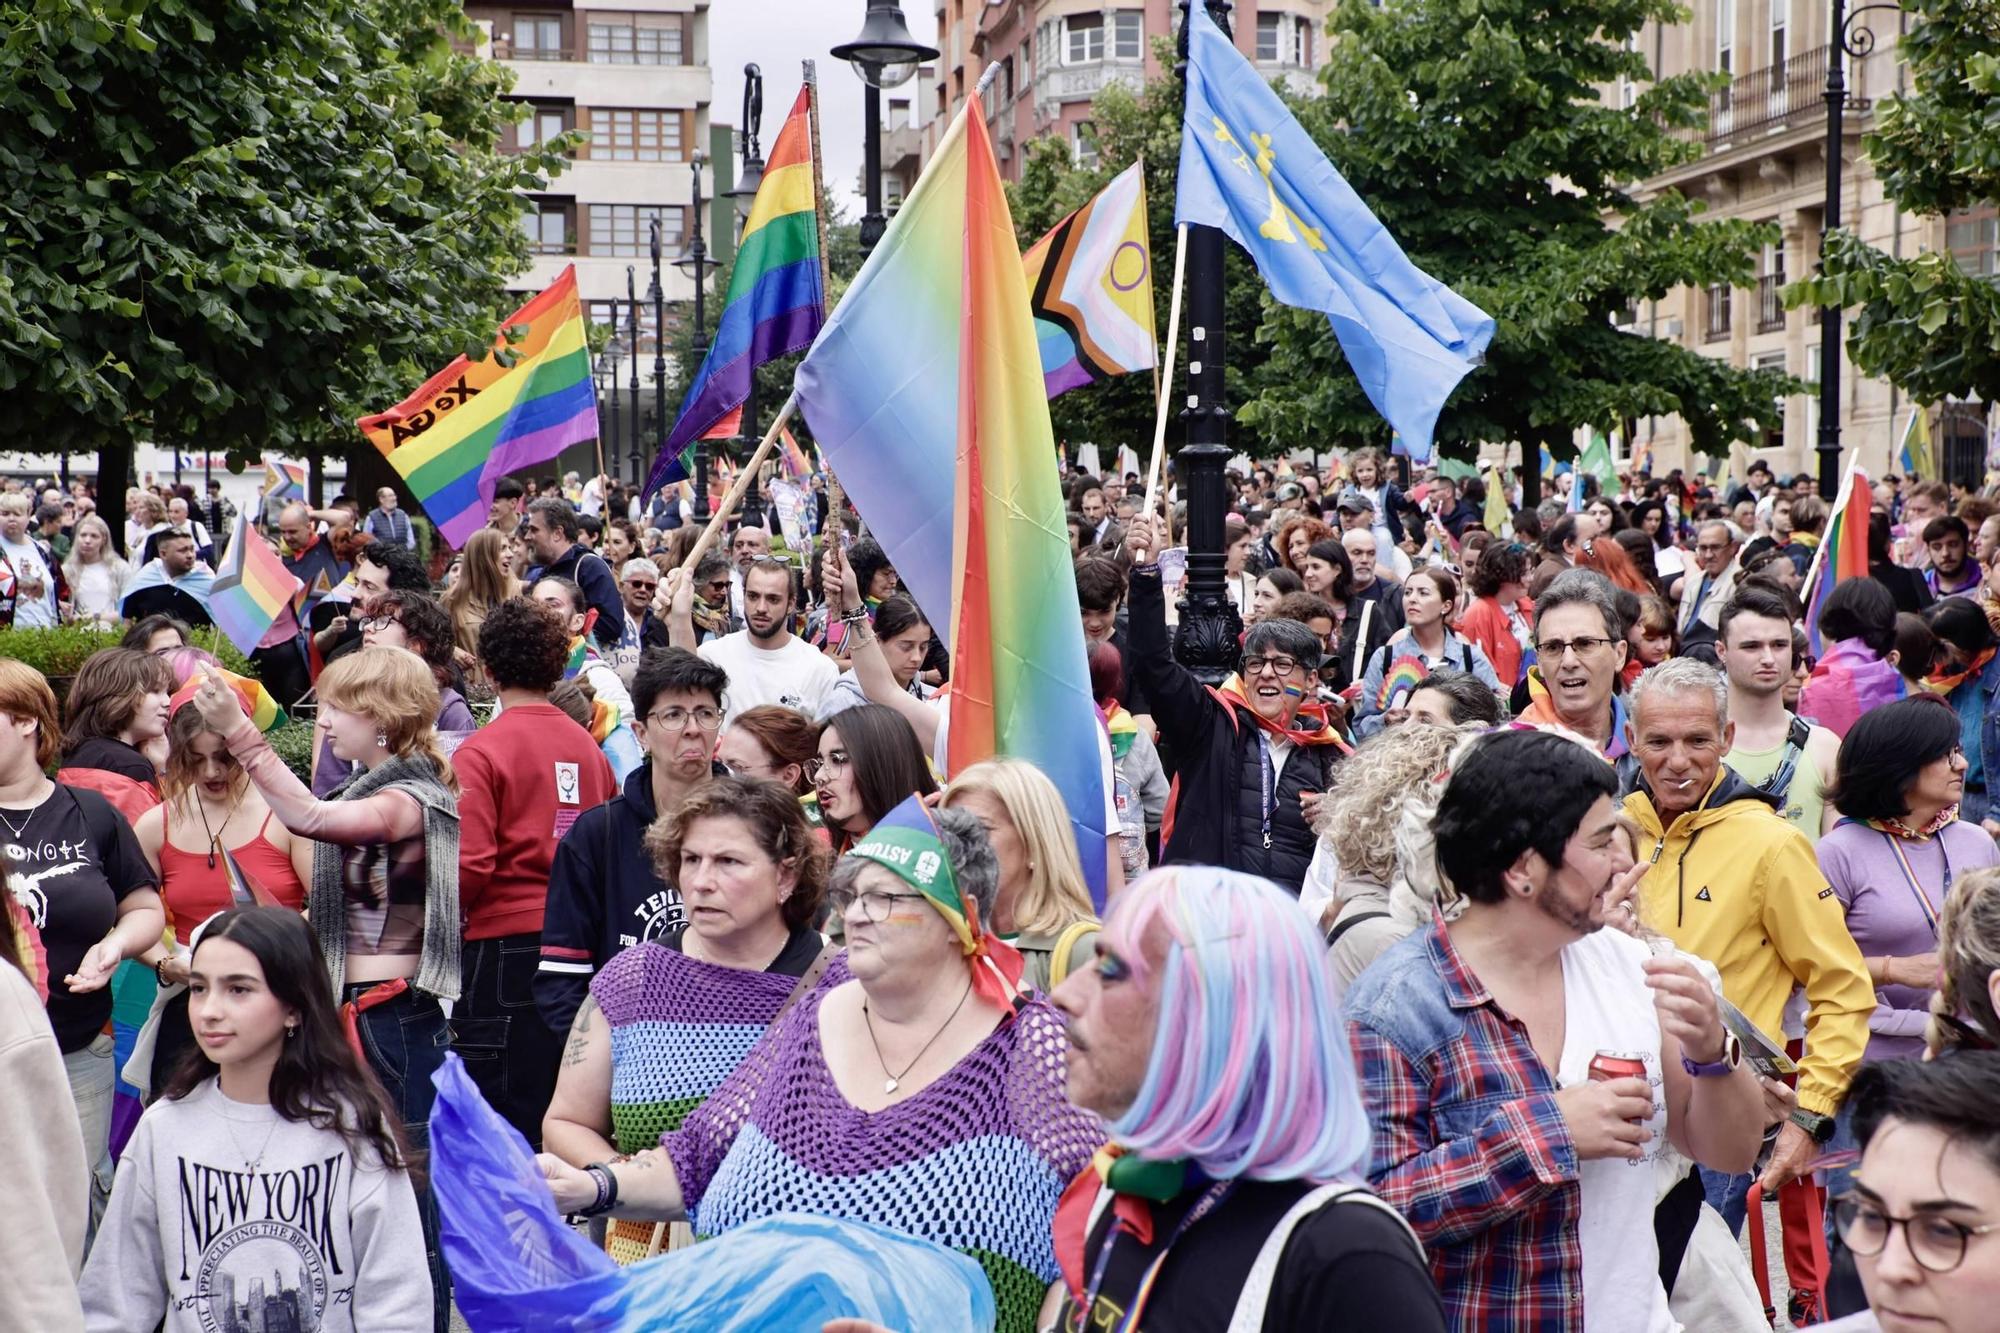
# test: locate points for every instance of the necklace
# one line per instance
(26, 815)
(215, 835)
(250, 1168)
(895, 1079)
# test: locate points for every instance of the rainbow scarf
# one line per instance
(1944, 682)
(1122, 729)
(258, 704)
(1541, 712)
(906, 843)
(1309, 726)
(1897, 828)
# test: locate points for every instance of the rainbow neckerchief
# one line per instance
(1943, 682)
(906, 843)
(1122, 729)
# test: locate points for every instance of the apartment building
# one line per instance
(635, 75)
(1763, 157)
(1055, 56)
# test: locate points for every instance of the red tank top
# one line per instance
(193, 892)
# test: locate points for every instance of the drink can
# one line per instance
(1607, 1065)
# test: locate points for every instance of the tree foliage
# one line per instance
(1475, 131)
(244, 222)
(1924, 323)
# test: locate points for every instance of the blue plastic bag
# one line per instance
(517, 1267)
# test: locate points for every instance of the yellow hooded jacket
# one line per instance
(1733, 883)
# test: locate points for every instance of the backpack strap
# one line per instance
(807, 980)
(1347, 923)
(1250, 1306)
(1072, 935)
(1780, 781)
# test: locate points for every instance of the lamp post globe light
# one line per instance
(885, 56)
(694, 262)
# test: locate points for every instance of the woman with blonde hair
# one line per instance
(383, 898)
(484, 581)
(1965, 1009)
(1043, 906)
(96, 572)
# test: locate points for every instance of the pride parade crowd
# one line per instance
(1544, 895)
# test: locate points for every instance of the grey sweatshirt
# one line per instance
(312, 1239)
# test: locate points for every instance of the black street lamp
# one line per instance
(613, 351)
(1210, 625)
(658, 296)
(885, 56)
(744, 196)
(696, 264)
(1856, 42)
(632, 341)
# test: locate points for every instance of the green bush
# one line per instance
(57, 653)
(293, 742)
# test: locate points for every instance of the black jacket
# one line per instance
(590, 572)
(603, 897)
(1216, 815)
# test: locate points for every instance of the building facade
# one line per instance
(634, 74)
(1763, 157)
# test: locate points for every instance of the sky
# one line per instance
(777, 35)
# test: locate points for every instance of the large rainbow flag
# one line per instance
(925, 392)
(777, 295)
(252, 588)
(1090, 284)
(1843, 551)
(475, 421)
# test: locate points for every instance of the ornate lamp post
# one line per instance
(658, 296)
(885, 56)
(696, 264)
(1210, 625)
(632, 341)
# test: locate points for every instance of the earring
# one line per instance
(381, 740)
(291, 1030)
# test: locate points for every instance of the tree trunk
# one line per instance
(114, 474)
(1531, 473)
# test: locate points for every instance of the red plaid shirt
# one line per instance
(1468, 1143)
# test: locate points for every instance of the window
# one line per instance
(1006, 81)
(1725, 36)
(542, 125)
(1267, 35)
(635, 39)
(548, 223)
(1770, 288)
(538, 37)
(1284, 39)
(1083, 38)
(1044, 38)
(1971, 237)
(1628, 91)
(1302, 43)
(1128, 34)
(1774, 438)
(1083, 143)
(624, 135)
(626, 229)
(1781, 21)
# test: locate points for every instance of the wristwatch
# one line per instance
(1732, 1056)
(1819, 1126)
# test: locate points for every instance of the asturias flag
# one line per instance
(776, 301)
(475, 421)
(1248, 167)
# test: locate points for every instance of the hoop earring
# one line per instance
(381, 740)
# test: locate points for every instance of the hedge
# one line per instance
(57, 653)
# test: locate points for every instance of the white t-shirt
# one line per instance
(1608, 1007)
(38, 612)
(797, 675)
(96, 591)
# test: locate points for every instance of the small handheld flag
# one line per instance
(252, 588)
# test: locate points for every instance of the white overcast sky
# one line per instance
(777, 35)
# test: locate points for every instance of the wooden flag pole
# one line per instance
(1166, 381)
(1361, 642)
(744, 476)
(835, 502)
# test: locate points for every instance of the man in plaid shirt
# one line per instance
(1474, 1039)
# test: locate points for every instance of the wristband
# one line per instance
(160, 970)
(854, 617)
(607, 1190)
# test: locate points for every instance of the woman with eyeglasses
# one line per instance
(604, 894)
(771, 742)
(1923, 1217)
(667, 1019)
(868, 760)
(923, 1093)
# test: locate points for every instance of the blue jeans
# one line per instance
(1728, 1195)
(405, 1040)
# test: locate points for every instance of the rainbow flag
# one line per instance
(777, 297)
(925, 391)
(282, 480)
(797, 465)
(1843, 552)
(252, 588)
(475, 421)
(258, 703)
(1090, 284)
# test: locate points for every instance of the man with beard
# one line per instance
(173, 583)
(765, 662)
(1950, 574)
(1363, 548)
(553, 536)
(1477, 1041)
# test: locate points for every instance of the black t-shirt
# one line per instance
(75, 860)
(1349, 1266)
(801, 948)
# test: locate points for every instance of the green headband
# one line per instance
(917, 856)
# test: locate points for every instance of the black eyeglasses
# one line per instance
(1277, 665)
(1938, 1244)
(1583, 645)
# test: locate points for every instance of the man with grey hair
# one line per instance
(1255, 754)
(1580, 653)
(1707, 588)
(1735, 884)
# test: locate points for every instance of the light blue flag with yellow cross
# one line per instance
(1249, 168)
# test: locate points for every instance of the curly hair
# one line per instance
(1316, 530)
(523, 645)
(426, 624)
(1365, 800)
(775, 819)
(1499, 565)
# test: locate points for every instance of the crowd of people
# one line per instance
(1539, 899)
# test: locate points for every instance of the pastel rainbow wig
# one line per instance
(1250, 1074)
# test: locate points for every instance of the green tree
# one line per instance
(244, 224)
(1475, 131)
(1924, 323)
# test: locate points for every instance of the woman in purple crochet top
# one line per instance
(925, 1093)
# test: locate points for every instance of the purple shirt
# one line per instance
(1886, 919)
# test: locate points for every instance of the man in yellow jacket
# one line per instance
(1735, 884)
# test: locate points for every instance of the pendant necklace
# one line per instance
(215, 835)
(895, 1079)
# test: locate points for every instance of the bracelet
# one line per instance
(854, 617)
(160, 970)
(607, 1190)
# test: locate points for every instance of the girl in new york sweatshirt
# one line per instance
(267, 1188)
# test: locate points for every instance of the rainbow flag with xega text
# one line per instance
(473, 422)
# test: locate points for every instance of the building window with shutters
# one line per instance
(1083, 39)
(620, 134)
(626, 230)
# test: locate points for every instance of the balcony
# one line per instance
(1771, 303)
(1715, 315)
(1764, 101)
(1056, 84)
